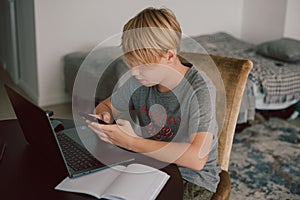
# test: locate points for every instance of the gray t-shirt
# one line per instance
(174, 116)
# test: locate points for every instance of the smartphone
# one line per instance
(91, 118)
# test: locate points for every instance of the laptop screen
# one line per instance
(36, 128)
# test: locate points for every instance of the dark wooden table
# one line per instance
(25, 174)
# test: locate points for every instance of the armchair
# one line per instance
(229, 76)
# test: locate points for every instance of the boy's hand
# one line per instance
(126, 127)
(105, 116)
(120, 134)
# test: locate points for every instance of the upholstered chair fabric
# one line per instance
(229, 76)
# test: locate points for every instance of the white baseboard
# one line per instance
(46, 100)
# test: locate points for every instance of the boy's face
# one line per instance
(149, 74)
(152, 74)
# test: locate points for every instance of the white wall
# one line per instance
(292, 24)
(208, 16)
(263, 20)
(51, 29)
(64, 26)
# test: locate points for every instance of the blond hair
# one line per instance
(147, 36)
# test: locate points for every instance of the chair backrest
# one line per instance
(229, 76)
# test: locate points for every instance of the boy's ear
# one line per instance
(171, 55)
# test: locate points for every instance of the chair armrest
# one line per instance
(224, 187)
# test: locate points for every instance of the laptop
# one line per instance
(64, 147)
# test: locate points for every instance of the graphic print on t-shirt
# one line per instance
(159, 117)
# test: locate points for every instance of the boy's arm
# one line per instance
(104, 106)
(192, 155)
(106, 111)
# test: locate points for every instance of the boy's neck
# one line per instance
(173, 81)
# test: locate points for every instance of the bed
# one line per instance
(273, 84)
(274, 81)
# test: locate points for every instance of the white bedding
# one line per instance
(261, 105)
(271, 85)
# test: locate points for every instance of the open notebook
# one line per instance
(134, 182)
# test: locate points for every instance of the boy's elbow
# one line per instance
(199, 164)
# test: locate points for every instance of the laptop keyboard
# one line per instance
(77, 157)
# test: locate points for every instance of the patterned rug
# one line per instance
(265, 162)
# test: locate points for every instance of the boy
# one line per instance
(174, 103)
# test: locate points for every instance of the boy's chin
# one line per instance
(147, 84)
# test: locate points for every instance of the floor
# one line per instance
(63, 111)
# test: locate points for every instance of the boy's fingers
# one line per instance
(121, 122)
(98, 130)
(106, 117)
(100, 127)
(105, 139)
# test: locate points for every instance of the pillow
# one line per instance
(284, 49)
